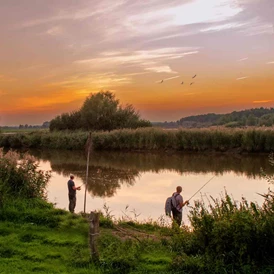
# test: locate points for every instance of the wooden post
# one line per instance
(88, 148)
(93, 234)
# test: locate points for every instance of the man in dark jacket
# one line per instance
(72, 193)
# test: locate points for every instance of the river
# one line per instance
(134, 186)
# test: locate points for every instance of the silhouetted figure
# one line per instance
(72, 193)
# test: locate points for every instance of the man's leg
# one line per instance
(177, 217)
(72, 203)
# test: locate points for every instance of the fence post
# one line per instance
(93, 234)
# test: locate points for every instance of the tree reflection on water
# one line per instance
(108, 171)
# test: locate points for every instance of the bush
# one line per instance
(19, 176)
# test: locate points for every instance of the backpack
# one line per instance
(170, 204)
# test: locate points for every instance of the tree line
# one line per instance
(100, 111)
(250, 117)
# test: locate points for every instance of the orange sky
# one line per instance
(53, 55)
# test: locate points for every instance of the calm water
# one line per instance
(132, 184)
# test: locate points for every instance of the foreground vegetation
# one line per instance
(150, 139)
(225, 236)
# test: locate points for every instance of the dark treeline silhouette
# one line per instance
(100, 111)
(250, 117)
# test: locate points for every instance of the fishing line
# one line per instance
(200, 188)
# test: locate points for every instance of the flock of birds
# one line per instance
(182, 81)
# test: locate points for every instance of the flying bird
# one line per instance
(194, 76)
(161, 81)
(192, 83)
(182, 83)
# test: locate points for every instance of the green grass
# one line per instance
(28, 245)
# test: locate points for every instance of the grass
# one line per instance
(30, 245)
(150, 139)
(225, 236)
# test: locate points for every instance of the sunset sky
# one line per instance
(54, 53)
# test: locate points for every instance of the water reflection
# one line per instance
(108, 171)
(144, 180)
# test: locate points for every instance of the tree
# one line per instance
(100, 111)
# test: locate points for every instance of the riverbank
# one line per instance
(224, 237)
(255, 140)
(39, 238)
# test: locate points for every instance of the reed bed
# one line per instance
(150, 139)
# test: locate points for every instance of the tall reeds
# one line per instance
(153, 139)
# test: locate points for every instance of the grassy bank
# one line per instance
(35, 237)
(225, 236)
(150, 139)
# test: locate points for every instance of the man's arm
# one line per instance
(75, 187)
(182, 203)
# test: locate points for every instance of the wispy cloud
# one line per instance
(94, 81)
(270, 63)
(159, 69)
(250, 27)
(242, 78)
(54, 31)
(261, 101)
(184, 14)
(167, 79)
(243, 59)
(221, 27)
(95, 9)
(155, 60)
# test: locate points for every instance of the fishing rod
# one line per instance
(200, 188)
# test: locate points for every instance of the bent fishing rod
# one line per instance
(200, 188)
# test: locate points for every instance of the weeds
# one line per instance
(153, 139)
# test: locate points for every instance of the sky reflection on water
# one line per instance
(143, 182)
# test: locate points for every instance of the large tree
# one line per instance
(100, 111)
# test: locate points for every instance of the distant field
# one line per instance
(22, 130)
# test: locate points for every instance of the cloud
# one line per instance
(75, 13)
(167, 79)
(243, 59)
(222, 27)
(159, 69)
(183, 14)
(54, 31)
(270, 63)
(155, 60)
(94, 81)
(242, 78)
(261, 101)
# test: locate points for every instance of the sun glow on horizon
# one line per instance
(145, 52)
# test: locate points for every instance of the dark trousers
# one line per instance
(177, 216)
(72, 203)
